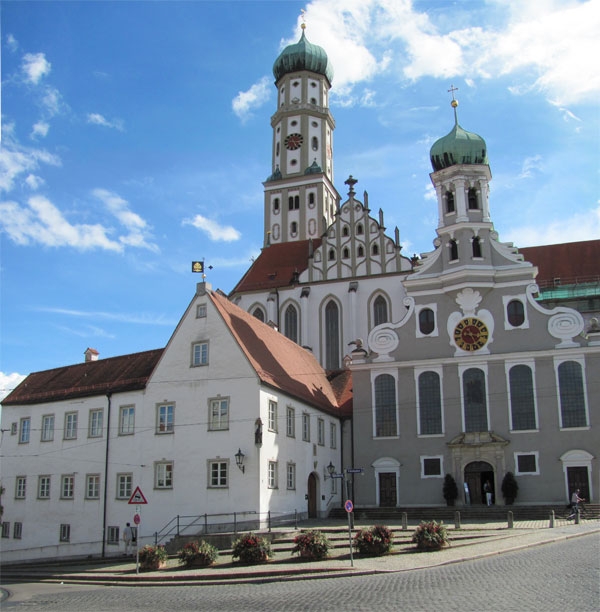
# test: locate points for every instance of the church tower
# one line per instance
(300, 199)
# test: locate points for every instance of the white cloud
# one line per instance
(34, 182)
(11, 43)
(579, 227)
(52, 101)
(97, 119)
(247, 101)
(119, 317)
(215, 231)
(35, 66)
(8, 382)
(530, 166)
(40, 129)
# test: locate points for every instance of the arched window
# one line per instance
(276, 205)
(313, 100)
(522, 404)
(290, 323)
(472, 199)
(331, 255)
(311, 198)
(380, 314)
(572, 398)
(385, 406)
(375, 249)
(345, 253)
(426, 321)
(450, 202)
(359, 229)
(332, 336)
(430, 404)
(277, 149)
(315, 143)
(291, 202)
(361, 252)
(474, 401)
(515, 313)
(476, 247)
(296, 202)
(345, 230)
(259, 314)
(294, 228)
(453, 250)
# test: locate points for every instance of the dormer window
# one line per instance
(450, 208)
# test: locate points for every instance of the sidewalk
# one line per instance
(471, 542)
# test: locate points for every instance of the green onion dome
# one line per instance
(302, 56)
(458, 147)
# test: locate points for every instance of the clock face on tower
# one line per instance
(471, 334)
(293, 141)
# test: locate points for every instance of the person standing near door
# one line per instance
(487, 489)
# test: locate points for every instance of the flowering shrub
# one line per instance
(197, 553)
(375, 540)
(430, 535)
(153, 556)
(311, 545)
(251, 549)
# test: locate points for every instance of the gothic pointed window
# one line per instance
(385, 406)
(359, 229)
(361, 252)
(345, 231)
(259, 314)
(380, 314)
(345, 253)
(375, 250)
(472, 199)
(291, 323)
(476, 247)
(453, 250)
(474, 400)
(332, 336)
(331, 255)
(450, 208)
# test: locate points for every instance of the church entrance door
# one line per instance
(476, 473)
(387, 490)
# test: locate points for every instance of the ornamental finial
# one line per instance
(454, 102)
(302, 15)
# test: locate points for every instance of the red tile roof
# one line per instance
(341, 382)
(111, 375)
(571, 262)
(279, 362)
(276, 266)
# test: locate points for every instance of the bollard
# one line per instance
(510, 519)
(457, 520)
(551, 519)
(577, 516)
(404, 521)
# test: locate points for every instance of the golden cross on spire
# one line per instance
(452, 90)
(302, 15)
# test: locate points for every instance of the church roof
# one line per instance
(303, 55)
(276, 266)
(278, 361)
(111, 375)
(571, 262)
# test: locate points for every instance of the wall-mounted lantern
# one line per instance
(239, 460)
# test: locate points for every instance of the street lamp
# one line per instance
(330, 471)
(239, 460)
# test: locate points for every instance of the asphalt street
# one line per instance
(557, 576)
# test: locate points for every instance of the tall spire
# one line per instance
(454, 102)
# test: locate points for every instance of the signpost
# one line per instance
(137, 499)
(349, 506)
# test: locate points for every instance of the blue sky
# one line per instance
(136, 136)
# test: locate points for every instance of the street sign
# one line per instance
(337, 476)
(136, 519)
(349, 505)
(137, 497)
(354, 470)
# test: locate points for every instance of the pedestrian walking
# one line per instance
(127, 537)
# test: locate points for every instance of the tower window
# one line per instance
(331, 255)
(315, 124)
(313, 100)
(315, 143)
(345, 231)
(450, 208)
(359, 229)
(476, 247)
(361, 252)
(515, 313)
(375, 250)
(472, 199)
(311, 198)
(277, 149)
(345, 253)
(426, 321)
(293, 202)
(294, 123)
(294, 228)
(453, 250)
(276, 205)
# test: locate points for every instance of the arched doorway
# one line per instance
(476, 474)
(312, 496)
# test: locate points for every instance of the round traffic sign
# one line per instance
(136, 519)
(349, 505)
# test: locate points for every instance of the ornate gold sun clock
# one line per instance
(471, 334)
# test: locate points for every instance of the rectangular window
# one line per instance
(67, 486)
(163, 475)
(126, 420)
(200, 354)
(526, 463)
(20, 487)
(431, 467)
(306, 427)
(65, 532)
(70, 426)
(217, 477)
(24, 430)
(47, 427)
(124, 482)
(272, 415)
(96, 418)
(386, 424)
(290, 425)
(522, 398)
(6, 529)
(474, 400)
(333, 435)
(112, 535)
(18, 530)
(44, 487)
(291, 476)
(321, 432)
(201, 311)
(219, 414)
(272, 477)
(573, 409)
(430, 403)
(165, 418)
(92, 486)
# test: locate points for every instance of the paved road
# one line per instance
(554, 577)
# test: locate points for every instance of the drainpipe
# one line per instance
(108, 397)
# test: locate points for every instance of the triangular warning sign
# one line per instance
(137, 497)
